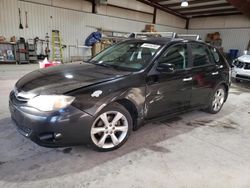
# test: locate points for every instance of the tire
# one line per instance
(110, 128)
(236, 80)
(217, 100)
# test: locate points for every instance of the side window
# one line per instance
(176, 55)
(215, 54)
(201, 55)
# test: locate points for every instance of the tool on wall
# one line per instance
(56, 46)
(26, 19)
(20, 19)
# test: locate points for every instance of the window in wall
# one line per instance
(215, 54)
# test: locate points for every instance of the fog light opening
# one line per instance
(51, 137)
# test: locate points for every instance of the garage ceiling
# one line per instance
(196, 8)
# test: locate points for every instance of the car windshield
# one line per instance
(130, 55)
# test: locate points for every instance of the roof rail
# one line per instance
(152, 34)
(189, 36)
(172, 35)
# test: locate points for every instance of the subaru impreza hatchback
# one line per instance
(101, 101)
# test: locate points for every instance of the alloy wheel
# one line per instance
(219, 98)
(109, 129)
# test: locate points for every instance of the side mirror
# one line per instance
(166, 68)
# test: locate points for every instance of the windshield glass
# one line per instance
(128, 55)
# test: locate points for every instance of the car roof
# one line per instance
(164, 40)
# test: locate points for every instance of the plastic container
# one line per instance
(233, 53)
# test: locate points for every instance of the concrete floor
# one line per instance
(195, 150)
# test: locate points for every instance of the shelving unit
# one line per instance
(22, 52)
(31, 47)
(4, 57)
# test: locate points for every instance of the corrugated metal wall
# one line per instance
(234, 30)
(73, 25)
(231, 38)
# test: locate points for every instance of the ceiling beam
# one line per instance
(241, 5)
(154, 16)
(210, 11)
(187, 23)
(129, 9)
(189, 2)
(202, 7)
(165, 9)
(157, 1)
(217, 14)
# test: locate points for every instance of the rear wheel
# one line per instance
(111, 128)
(217, 100)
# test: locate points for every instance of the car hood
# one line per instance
(64, 78)
(244, 58)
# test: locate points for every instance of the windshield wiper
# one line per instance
(104, 64)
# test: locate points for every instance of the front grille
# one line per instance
(247, 66)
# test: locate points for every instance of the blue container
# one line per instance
(233, 53)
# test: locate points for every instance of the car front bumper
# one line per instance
(69, 126)
(241, 74)
(242, 77)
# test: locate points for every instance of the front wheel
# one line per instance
(217, 100)
(111, 128)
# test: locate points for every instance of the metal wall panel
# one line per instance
(133, 4)
(236, 21)
(170, 20)
(234, 30)
(73, 25)
(122, 13)
(231, 38)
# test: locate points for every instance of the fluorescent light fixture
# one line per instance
(184, 3)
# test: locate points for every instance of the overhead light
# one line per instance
(184, 3)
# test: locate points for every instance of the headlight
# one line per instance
(50, 102)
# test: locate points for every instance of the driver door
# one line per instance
(169, 92)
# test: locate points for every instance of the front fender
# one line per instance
(131, 88)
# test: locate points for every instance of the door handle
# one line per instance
(220, 66)
(215, 73)
(187, 79)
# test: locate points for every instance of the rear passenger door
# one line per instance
(204, 74)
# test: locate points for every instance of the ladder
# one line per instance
(56, 46)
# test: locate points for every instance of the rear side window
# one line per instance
(215, 54)
(201, 55)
